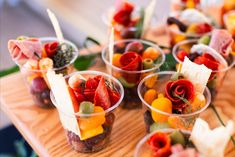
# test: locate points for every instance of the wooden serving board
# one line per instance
(43, 130)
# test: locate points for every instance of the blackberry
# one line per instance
(63, 56)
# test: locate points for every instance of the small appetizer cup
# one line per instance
(36, 80)
(160, 114)
(95, 127)
(126, 32)
(130, 79)
(143, 149)
(214, 82)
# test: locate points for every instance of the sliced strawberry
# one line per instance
(208, 62)
(102, 96)
(91, 83)
(114, 96)
(97, 78)
(89, 94)
(80, 97)
(181, 54)
(74, 100)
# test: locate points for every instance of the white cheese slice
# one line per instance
(190, 16)
(201, 48)
(148, 14)
(211, 143)
(197, 74)
(63, 101)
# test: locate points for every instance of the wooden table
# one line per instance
(43, 130)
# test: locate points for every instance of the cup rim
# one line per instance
(43, 39)
(172, 114)
(146, 137)
(195, 40)
(134, 72)
(92, 72)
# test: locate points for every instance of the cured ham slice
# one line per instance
(221, 41)
(25, 49)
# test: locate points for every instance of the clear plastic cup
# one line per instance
(36, 79)
(217, 76)
(131, 99)
(164, 119)
(144, 150)
(99, 141)
(127, 32)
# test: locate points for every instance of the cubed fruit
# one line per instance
(135, 46)
(162, 104)
(86, 107)
(150, 95)
(151, 81)
(85, 134)
(198, 102)
(177, 138)
(116, 60)
(204, 28)
(192, 29)
(180, 123)
(92, 122)
(181, 54)
(31, 64)
(151, 53)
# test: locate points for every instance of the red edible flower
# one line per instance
(131, 61)
(51, 48)
(160, 143)
(176, 90)
(123, 13)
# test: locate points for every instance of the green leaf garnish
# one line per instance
(84, 62)
(189, 110)
(9, 71)
(169, 63)
(140, 24)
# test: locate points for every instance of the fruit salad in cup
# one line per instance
(132, 60)
(214, 51)
(188, 24)
(175, 99)
(126, 19)
(180, 5)
(86, 101)
(201, 142)
(35, 56)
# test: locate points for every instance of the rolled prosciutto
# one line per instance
(131, 61)
(21, 50)
(221, 41)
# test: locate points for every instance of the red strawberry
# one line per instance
(114, 96)
(181, 54)
(89, 94)
(123, 13)
(208, 61)
(91, 83)
(102, 96)
(97, 78)
(204, 28)
(80, 97)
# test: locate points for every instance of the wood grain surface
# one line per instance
(43, 130)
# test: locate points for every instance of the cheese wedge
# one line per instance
(197, 74)
(211, 143)
(63, 101)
